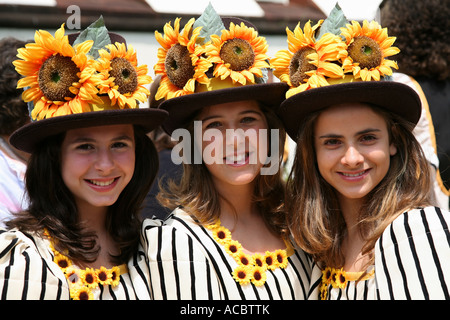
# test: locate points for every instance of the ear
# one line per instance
(392, 149)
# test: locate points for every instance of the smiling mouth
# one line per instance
(237, 158)
(354, 175)
(102, 183)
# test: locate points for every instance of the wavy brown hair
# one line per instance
(196, 192)
(53, 207)
(314, 216)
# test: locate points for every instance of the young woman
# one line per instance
(226, 237)
(88, 173)
(359, 192)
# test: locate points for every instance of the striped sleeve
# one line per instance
(24, 274)
(412, 257)
(179, 268)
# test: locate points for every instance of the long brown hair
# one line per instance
(314, 216)
(196, 192)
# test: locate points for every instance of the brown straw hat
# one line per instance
(99, 96)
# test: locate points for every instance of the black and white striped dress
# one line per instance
(27, 272)
(412, 261)
(186, 262)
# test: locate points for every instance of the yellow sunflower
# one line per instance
(244, 259)
(58, 75)
(120, 76)
(115, 276)
(221, 234)
(308, 62)
(104, 276)
(180, 62)
(62, 261)
(258, 276)
(259, 260)
(239, 53)
(368, 47)
(81, 293)
(232, 247)
(271, 260)
(89, 277)
(242, 274)
(339, 279)
(281, 258)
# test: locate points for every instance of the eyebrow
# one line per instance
(240, 113)
(365, 131)
(86, 139)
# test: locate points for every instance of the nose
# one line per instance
(352, 157)
(104, 162)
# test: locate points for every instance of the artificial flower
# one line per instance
(244, 259)
(271, 260)
(81, 293)
(259, 260)
(120, 77)
(308, 62)
(58, 77)
(115, 276)
(368, 47)
(238, 53)
(104, 276)
(89, 277)
(259, 276)
(221, 234)
(62, 261)
(281, 258)
(242, 274)
(180, 62)
(232, 247)
(339, 279)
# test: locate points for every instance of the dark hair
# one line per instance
(422, 29)
(53, 207)
(13, 111)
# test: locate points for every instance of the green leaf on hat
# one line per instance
(210, 22)
(333, 24)
(97, 32)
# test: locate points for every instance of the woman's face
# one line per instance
(352, 149)
(98, 163)
(231, 146)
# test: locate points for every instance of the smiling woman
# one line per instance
(90, 168)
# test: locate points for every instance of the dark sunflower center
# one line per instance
(125, 76)
(299, 65)
(56, 76)
(178, 65)
(238, 53)
(366, 52)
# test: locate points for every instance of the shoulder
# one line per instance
(27, 270)
(413, 223)
(178, 235)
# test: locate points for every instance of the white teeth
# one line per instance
(236, 158)
(102, 183)
(354, 175)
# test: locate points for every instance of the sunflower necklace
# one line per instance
(83, 282)
(338, 278)
(251, 268)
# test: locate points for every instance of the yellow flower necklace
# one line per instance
(83, 282)
(251, 268)
(338, 278)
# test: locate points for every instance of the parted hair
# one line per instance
(314, 215)
(53, 206)
(198, 196)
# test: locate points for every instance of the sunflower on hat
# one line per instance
(308, 62)
(59, 77)
(340, 52)
(180, 62)
(120, 76)
(368, 46)
(238, 53)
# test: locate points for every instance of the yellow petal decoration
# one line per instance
(180, 61)
(238, 53)
(308, 63)
(58, 75)
(368, 47)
